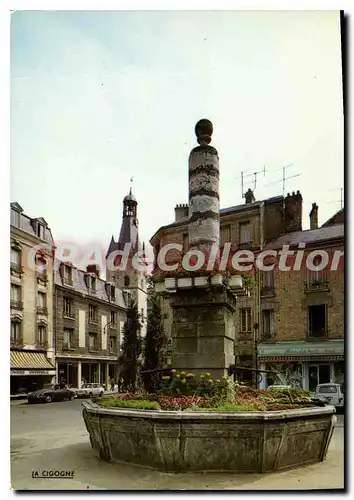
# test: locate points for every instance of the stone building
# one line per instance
(132, 278)
(302, 325)
(248, 226)
(89, 320)
(31, 304)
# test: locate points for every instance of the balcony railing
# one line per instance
(69, 314)
(43, 311)
(16, 304)
(267, 290)
(42, 277)
(42, 344)
(268, 336)
(16, 342)
(245, 244)
(68, 346)
(314, 285)
(319, 333)
(15, 267)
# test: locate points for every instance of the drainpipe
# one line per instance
(258, 286)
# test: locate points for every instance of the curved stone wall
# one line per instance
(210, 441)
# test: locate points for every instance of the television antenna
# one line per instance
(341, 201)
(284, 177)
(252, 174)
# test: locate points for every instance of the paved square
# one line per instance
(53, 436)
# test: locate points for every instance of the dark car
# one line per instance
(49, 394)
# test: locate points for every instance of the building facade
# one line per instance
(249, 226)
(89, 319)
(32, 254)
(302, 326)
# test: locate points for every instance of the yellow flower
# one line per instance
(207, 375)
(183, 381)
(217, 380)
(173, 371)
(210, 381)
(178, 375)
(190, 375)
(166, 378)
(183, 373)
(202, 376)
(225, 377)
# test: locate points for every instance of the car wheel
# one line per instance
(48, 399)
(90, 395)
(101, 394)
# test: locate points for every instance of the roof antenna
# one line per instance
(131, 184)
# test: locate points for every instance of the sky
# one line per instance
(100, 97)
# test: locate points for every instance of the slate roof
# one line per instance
(333, 218)
(79, 285)
(26, 224)
(309, 236)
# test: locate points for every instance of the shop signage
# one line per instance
(302, 349)
(32, 372)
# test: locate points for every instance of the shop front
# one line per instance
(78, 371)
(29, 371)
(303, 364)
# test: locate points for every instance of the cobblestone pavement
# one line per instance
(53, 436)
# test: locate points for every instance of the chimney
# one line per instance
(93, 269)
(293, 212)
(181, 212)
(314, 217)
(249, 196)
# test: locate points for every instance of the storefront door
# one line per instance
(318, 374)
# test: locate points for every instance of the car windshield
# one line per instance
(329, 389)
(86, 386)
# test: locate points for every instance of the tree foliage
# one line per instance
(131, 348)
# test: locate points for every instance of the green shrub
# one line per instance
(130, 403)
(230, 407)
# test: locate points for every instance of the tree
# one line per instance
(131, 348)
(155, 343)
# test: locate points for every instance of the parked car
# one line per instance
(49, 394)
(331, 394)
(90, 390)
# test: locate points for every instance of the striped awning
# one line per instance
(24, 360)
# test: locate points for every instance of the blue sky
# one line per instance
(98, 97)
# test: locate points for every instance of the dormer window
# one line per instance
(126, 281)
(113, 292)
(68, 274)
(93, 283)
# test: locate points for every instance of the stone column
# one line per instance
(99, 373)
(107, 377)
(79, 376)
(204, 206)
(203, 331)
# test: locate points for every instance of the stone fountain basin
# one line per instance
(179, 441)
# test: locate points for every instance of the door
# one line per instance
(318, 374)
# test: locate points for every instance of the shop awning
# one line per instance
(24, 360)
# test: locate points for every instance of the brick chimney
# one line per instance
(293, 212)
(93, 269)
(249, 197)
(181, 212)
(314, 217)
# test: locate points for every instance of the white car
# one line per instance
(331, 394)
(275, 386)
(90, 390)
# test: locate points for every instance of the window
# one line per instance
(42, 335)
(245, 319)
(268, 323)
(15, 218)
(15, 332)
(41, 264)
(317, 321)
(112, 344)
(41, 299)
(316, 278)
(185, 243)
(113, 318)
(92, 341)
(113, 292)
(68, 338)
(225, 235)
(245, 233)
(15, 256)
(68, 307)
(68, 274)
(93, 283)
(267, 278)
(93, 313)
(126, 281)
(15, 293)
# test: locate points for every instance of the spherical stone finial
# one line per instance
(204, 131)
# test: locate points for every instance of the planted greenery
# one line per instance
(126, 403)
